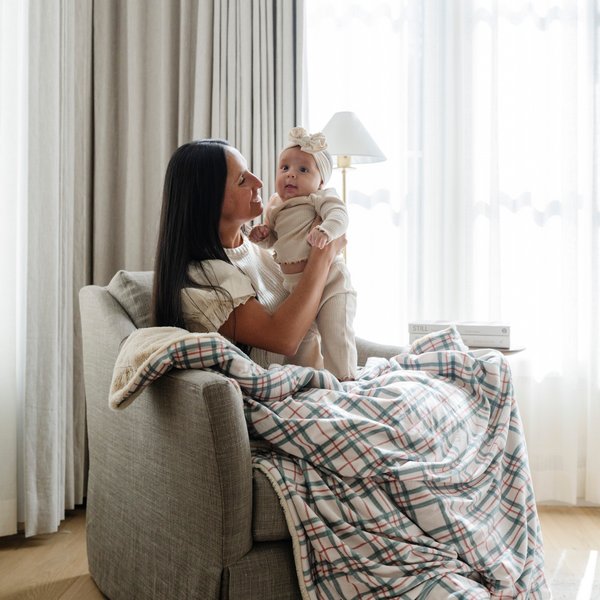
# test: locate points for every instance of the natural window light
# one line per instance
(487, 206)
(347, 74)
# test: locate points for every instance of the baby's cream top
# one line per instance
(291, 222)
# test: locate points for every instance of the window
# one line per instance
(487, 207)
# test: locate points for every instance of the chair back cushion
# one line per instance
(133, 291)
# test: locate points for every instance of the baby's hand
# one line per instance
(317, 238)
(258, 233)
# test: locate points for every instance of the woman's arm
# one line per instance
(281, 332)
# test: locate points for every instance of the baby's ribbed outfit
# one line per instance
(291, 222)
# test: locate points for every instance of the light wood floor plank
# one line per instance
(44, 567)
(570, 534)
(84, 588)
(567, 527)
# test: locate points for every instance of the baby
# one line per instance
(304, 168)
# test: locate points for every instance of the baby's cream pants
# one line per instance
(336, 351)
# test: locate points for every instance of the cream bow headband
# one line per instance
(312, 144)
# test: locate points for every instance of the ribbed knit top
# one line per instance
(253, 273)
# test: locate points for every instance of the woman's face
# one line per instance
(242, 202)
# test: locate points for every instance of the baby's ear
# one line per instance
(320, 185)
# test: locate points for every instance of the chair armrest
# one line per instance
(170, 476)
(366, 349)
(169, 502)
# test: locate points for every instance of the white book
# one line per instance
(463, 327)
(475, 341)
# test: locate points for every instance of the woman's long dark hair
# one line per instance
(189, 224)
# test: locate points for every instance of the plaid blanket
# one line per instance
(411, 482)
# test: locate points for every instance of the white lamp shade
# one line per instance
(347, 136)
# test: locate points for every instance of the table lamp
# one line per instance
(348, 139)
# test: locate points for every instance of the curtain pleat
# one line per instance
(82, 224)
(44, 412)
(204, 58)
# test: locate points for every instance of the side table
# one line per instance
(505, 351)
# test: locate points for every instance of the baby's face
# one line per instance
(297, 174)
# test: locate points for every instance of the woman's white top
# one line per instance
(252, 274)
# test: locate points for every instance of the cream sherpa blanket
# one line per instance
(142, 348)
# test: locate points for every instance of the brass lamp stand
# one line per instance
(343, 163)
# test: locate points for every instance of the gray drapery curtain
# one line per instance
(114, 88)
(167, 73)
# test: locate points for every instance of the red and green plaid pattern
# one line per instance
(411, 482)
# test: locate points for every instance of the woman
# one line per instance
(209, 277)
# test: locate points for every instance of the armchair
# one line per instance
(174, 509)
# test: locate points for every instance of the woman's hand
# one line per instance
(331, 250)
(339, 244)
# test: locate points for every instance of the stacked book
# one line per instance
(474, 334)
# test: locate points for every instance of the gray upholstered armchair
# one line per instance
(174, 509)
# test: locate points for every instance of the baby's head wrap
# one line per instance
(314, 144)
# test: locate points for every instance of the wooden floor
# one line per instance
(54, 566)
(48, 567)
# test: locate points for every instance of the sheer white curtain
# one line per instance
(58, 176)
(487, 207)
(13, 190)
(45, 170)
